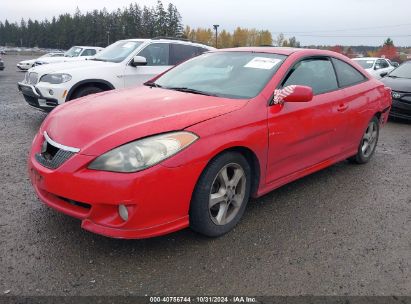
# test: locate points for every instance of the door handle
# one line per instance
(342, 107)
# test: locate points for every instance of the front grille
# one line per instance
(400, 111)
(75, 203)
(53, 154)
(401, 96)
(56, 160)
(31, 100)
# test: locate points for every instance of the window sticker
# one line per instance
(370, 61)
(262, 63)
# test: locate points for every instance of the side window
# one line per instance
(156, 54)
(201, 50)
(88, 52)
(347, 75)
(317, 73)
(381, 64)
(181, 52)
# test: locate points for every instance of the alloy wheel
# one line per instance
(227, 194)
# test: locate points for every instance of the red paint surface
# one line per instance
(289, 140)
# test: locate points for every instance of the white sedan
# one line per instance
(75, 53)
(375, 66)
(27, 64)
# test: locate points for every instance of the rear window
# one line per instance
(182, 52)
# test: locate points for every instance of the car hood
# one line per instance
(28, 61)
(398, 84)
(61, 59)
(66, 67)
(98, 123)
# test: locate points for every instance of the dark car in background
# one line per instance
(399, 80)
(1, 64)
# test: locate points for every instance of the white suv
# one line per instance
(75, 53)
(124, 63)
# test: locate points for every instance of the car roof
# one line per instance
(171, 41)
(368, 58)
(281, 50)
(89, 47)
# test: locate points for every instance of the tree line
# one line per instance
(97, 28)
(239, 37)
(387, 50)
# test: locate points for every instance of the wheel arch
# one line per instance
(100, 83)
(252, 160)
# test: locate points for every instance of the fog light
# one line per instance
(123, 212)
(51, 92)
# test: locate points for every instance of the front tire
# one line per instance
(86, 91)
(368, 143)
(221, 195)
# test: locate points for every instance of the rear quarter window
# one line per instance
(347, 75)
(182, 52)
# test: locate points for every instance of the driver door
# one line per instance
(303, 134)
(157, 56)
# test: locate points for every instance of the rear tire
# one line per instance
(368, 143)
(221, 195)
(86, 91)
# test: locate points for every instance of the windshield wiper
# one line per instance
(97, 59)
(152, 85)
(188, 90)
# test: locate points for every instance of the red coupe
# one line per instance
(190, 147)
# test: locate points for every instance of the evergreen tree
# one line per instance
(94, 28)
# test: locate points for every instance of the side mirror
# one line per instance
(377, 67)
(138, 60)
(293, 93)
(383, 74)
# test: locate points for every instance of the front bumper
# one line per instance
(400, 109)
(35, 99)
(157, 199)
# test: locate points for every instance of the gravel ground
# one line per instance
(342, 231)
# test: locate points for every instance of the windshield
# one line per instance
(403, 71)
(73, 52)
(224, 74)
(118, 51)
(366, 64)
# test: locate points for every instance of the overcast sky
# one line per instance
(347, 22)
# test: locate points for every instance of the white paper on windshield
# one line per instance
(262, 63)
(370, 61)
(129, 45)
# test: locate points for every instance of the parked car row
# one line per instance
(191, 146)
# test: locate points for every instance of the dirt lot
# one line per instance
(343, 231)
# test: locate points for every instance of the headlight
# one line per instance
(141, 154)
(55, 78)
